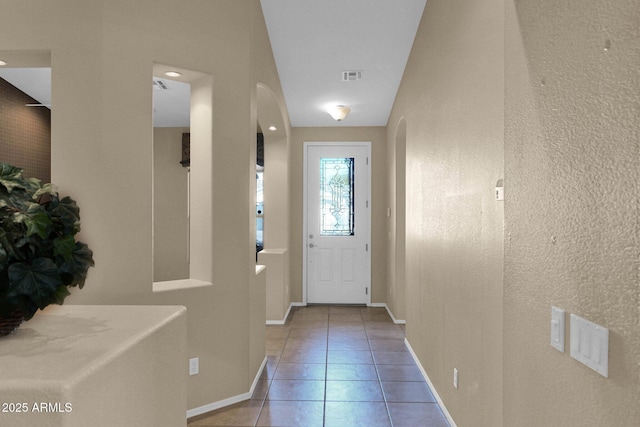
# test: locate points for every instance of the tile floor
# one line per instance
(341, 366)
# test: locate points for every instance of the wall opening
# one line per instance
(182, 200)
(259, 191)
(400, 220)
(25, 112)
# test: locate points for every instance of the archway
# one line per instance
(398, 259)
(275, 204)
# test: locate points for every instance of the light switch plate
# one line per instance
(590, 344)
(194, 366)
(557, 328)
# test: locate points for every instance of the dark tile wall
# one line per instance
(25, 133)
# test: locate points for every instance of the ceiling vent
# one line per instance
(350, 76)
(160, 84)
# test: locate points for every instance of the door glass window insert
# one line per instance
(337, 196)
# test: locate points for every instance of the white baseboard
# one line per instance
(286, 316)
(433, 389)
(258, 375)
(382, 304)
(301, 304)
(229, 401)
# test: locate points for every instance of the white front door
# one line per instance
(337, 226)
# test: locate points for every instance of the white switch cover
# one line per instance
(194, 366)
(590, 344)
(557, 328)
(455, 377)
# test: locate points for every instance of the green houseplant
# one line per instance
(39, 255)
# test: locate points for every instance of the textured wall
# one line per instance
(572, 232)
(451, 98)
(25, 133)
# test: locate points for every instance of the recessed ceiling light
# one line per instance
(272, 128)
(173, 74)
(2, 62)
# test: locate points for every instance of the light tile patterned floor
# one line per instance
(342, 366)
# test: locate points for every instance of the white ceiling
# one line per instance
(171, 106)
(313, 42)
(35, 82)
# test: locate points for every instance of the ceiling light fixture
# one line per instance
(273, 128)
(338, 112)
(2, 62)
(173, 74)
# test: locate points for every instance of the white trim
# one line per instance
(306, 145)
(382, 304)
(258, 375)
(286, 316)
(433, 389)
(229, 401)
(304, 222)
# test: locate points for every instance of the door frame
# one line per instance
(305, 233)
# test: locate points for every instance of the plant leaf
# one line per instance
(3, 257)
(37, 224)
(45, 189)
(80, 263)
(68, 211)
(11, 177)
(61, 293)
(37, 281)
(64, 246)
(7, 241)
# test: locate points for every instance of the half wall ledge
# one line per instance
(103, 366)
(179, 285)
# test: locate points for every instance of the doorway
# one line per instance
(337, 223)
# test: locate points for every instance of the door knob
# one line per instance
(310, 245)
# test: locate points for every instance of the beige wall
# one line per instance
(572, 154)
(396, 218)
(102, 54)
(451, 97)
(376, 135)
(563, 121)
(170, 206)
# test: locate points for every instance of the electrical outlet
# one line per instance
(194, 366)
(455, 378)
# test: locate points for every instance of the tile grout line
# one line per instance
(326, 368)
(270, 380)
(384, 394)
